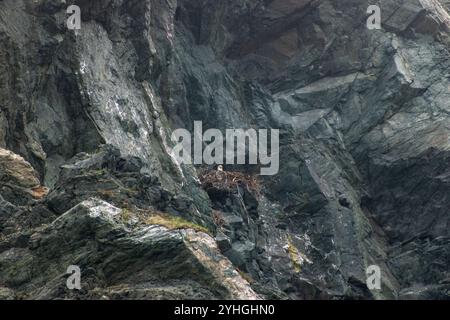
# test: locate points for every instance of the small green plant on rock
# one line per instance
(247, 277)
(126, 215)
(294, 254)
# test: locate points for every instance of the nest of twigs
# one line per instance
(228, 180)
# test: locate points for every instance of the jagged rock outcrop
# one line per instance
(364, 149)
(133, 262)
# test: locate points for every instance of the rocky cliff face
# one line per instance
(86, 176)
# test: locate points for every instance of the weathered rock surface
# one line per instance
(145, 262)
(15, 170)
(364, 173)
(19, 182)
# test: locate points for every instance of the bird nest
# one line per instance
(228, 180)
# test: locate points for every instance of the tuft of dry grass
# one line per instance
(247, 277)
(294, 255)
(152, 217)
(175, 223)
